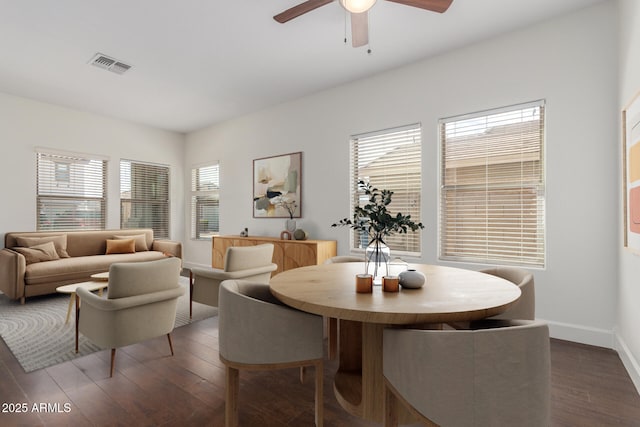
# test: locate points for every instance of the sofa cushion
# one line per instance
(80, 268)
(95, 242)
(38, 253)
(140, 239)
(115, 246)
(59, 240)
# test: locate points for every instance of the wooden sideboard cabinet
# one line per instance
(287, 254)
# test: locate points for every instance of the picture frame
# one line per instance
(277, 186)
(631, 173)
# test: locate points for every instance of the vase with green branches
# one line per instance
(376, 222)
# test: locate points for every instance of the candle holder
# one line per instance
(364, 283)
(390, 284)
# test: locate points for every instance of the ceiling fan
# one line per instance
(359, 10)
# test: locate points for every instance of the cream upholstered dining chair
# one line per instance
(258, 332)
(498, 375)
(332, 322)
(525, 307)
(242, 262)
(141, 304)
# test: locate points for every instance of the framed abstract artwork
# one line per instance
(631, 173)
(277, 191)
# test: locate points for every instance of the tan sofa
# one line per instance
(79, 255)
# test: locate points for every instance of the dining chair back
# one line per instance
(257, 332)
(497, 375)
(343, 258)
(331, 323)
(525, 307)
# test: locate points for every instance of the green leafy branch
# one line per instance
(374, 218)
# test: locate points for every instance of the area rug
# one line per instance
(38, 337)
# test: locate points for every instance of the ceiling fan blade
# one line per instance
(439, 6)
(300, 9)
(359, 29)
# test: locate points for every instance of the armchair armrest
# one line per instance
(220, 275)
(12, 269)
(105, 304)
(169, 247)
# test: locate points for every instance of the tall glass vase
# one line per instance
(377, 256)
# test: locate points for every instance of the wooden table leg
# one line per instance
(372, 377)
(190, 294)
(332, 335)
(359, 382)
(72, 299)
(77, 298)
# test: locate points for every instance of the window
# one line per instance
(492, 197)
(71, 191)
(390, 160)
(205, 201)
(144, 197)
(63, 173)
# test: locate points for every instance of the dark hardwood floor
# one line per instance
(590, 387)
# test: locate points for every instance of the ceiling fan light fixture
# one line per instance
(357, 6)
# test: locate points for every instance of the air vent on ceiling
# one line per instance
(107, 63)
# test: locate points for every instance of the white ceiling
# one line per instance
(197, 62)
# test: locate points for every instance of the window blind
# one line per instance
(205, 201)
(71, 192)
(144, 197)
(492, 205)
(389, 160)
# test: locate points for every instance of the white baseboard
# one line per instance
(599, 338)
(581, 334)
(630, 363)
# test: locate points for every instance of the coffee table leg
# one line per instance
(72, 298)
(77, 298)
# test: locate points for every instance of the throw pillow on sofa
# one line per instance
(59, 241)
(114, 246)
(140, 239)
(39, 253)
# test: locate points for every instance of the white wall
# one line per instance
(570, 61)
(26, 124)
(629, 288)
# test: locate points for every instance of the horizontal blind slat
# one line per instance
(70, 192)
(144, 196)
(205, 201)
(492, 195)
(391, 160)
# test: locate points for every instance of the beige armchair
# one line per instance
(496, 376)
(258, 332)
(141, 304)
(525, 307)
(242, 262)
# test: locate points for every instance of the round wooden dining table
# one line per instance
(448, 295)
